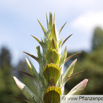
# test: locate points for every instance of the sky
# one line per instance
(18, 19)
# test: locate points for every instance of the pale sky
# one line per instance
(18, 19)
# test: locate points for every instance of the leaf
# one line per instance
(62, 58)
(54, 54)
(38, 52)
(37, 59)
(31, 69)
(42, 27)
(71, 56)
(66, 39)
(78, 89)
(72, 76)
(52, 45)
(25, 90)
(69, 70)
(50, 19)
(60, 42)
(53, 33)
(36, 83)
(59, 81)
(62, 28)
(33, 77)
(38, 41)
(23, 99)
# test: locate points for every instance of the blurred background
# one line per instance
(18, 19)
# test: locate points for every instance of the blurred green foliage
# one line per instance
(7, 84)
(8, 88)
(97, 41)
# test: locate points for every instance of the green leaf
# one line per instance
(69, 70)
(38, 52)
(60, 42)
(66, 39)
(23, 99)
(26, 91)
(50, 19)
(31, 76)
(31, 69)
(36, 84)
(72, 76)
(52, 45)
(42, 27)
(71, 56)
(59, 82)
(38, 40)
(63, 57)
(36, 58)
(51, 71)
(62, 28)
(53, 33)
(78, 89)
(52, 95)
(54, 54)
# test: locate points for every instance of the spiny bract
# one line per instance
(50, 80)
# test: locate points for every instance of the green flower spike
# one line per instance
(50, 81)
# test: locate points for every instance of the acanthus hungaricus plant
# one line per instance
(50, 80)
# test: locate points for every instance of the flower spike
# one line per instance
(50, 81)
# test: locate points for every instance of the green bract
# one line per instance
(52, 53)
(51, 71)
(52, 95)
(50, 81)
